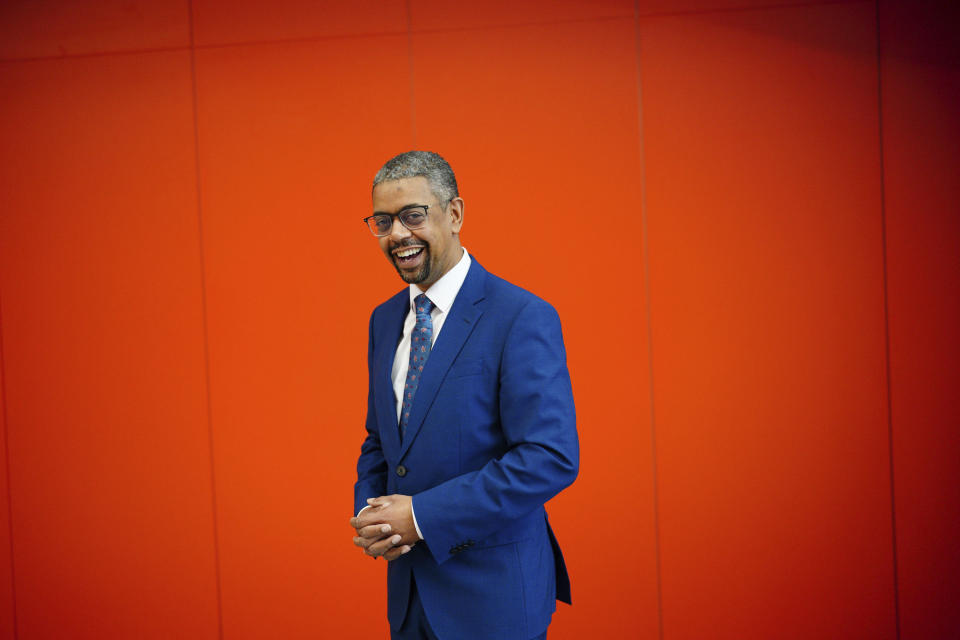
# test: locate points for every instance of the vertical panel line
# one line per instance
(886, 324)
(646, 295)
(413, 100)
(6, 453)
(206, 330)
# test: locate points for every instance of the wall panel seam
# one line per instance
(205, 324)
(649, 319)
(413, 96)
(6, 453)
(886, 324)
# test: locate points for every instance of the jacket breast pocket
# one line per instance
(465, 368)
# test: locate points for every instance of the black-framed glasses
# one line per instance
(381, 224)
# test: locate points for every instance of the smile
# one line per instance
(408, 256)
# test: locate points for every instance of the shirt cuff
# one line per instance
(415, 525)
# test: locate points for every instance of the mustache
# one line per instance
(409, 243)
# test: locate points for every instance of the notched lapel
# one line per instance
(463, 318)
(384, 399)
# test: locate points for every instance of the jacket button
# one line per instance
(401, 470)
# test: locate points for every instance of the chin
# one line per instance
(418, 276)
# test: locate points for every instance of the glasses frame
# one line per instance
(398, 216)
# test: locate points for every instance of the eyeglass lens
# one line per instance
(382, 224)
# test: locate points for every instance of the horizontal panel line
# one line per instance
(306, 39)
(405, 30)
(201, 47)
(745, 8)
(96, 54)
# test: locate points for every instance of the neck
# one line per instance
(458, 252)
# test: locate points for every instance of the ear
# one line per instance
(455, 211)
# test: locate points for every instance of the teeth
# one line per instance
(406, 253)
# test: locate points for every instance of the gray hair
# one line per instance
(421, 164)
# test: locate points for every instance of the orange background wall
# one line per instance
(757, 200)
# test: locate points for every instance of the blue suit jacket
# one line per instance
(491, 437)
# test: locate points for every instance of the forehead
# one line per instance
(393, 195)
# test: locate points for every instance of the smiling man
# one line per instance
(470, 427)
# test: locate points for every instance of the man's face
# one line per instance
(423, 255)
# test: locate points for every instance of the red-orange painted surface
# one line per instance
(755, 201)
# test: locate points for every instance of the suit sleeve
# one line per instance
(539, 423)
(371, 466)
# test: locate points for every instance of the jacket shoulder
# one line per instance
(507, 295)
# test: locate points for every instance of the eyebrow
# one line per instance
(402, 209)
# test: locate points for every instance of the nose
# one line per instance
(398, 231)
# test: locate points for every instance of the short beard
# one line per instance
(417, 276)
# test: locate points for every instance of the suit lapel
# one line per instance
(384, 399)
(457, 327)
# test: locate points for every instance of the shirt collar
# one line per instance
(444, 291)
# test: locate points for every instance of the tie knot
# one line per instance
(422, 305)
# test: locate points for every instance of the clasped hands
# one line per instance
(386, 527)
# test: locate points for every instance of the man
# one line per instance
(470, 427)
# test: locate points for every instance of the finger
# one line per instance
(380, 547)
(363, 542)
(382, 501)
(396, 552)
(392, 554)
(360, 522)
(374, 531)
(365, 519)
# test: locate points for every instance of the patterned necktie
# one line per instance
(420, 342)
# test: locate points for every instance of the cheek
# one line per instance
(431, 239)
(425, 238)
